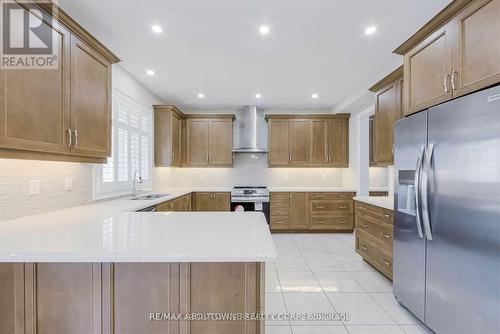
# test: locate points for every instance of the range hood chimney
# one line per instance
(250, 131)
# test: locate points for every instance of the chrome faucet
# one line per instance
(139, 180)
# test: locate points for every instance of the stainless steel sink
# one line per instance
(149, 197)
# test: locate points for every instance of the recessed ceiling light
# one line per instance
(201, 95)
(150, 72)
(314, 96)
(370, 30)
(156, 29)
(258, 96)
(264, 30)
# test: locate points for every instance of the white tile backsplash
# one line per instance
(16, 176)
(248, 169)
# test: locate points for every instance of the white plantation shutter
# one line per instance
(131, 149)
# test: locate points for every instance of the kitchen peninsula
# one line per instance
(84, 270)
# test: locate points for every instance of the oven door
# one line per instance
(252, 206)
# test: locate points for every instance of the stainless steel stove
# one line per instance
(250, 198)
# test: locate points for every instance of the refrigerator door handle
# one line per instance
(418, 170)
(425, 192)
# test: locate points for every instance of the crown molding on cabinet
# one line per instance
(391, 77)
(435, 23)
(60, 15)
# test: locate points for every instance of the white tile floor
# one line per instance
(321, 273)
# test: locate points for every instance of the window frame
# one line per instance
(104, 190)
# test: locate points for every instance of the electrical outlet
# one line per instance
(68, 183)
(34, 187)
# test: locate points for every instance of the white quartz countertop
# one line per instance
(386, 202)
(111, 231)
(140, 237)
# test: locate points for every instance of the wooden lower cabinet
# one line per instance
(52, 298)
(179, 204)
(301, 211)
(128, 298)
(212, 201)
(374, 236)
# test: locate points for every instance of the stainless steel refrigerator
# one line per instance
(447, 214)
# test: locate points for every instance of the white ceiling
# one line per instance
(213, 46)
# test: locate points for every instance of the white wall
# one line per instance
(16, 174)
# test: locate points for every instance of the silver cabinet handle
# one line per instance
(446, 89)
(76, 137)
(363, 247)
(289, 158)
(425, 192)
(387, 236)
(387, 263)
(70, 137)
(417, 192)
(453, 78)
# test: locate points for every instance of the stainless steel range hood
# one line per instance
(250, 131)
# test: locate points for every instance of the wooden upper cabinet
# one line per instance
(169, 134)
(35, 107)
(299, 141)
(299, 210)
(221, 142)
(90, 101)
(338, 142)
(476, 47)
(279, 142)
(209, 141)
(388, 109)
(177, 135)
(455, 53)
(308, 140)
(197, 142)
(62, 113)
(427, 70)
(319, 144)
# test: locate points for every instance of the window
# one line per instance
(131, 149)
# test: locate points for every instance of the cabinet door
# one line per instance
(35, 103)
(386, 112)
(203, 201)
(299, 141)
(476, 50)
(428, 69)
(90, 101)
(221, 142)
(279, 142)
(338, 143)
(299, 210)
(163, 154)
(197, 142)
(222, 201)
(63, 298)
(165, 207)
(141, 288)
(319, 152)
(176, 140)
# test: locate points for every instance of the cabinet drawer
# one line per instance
(378, 258)
(280, 211)
(331, 206)
(374, 212)
(279, 197)
(280, 223)
(322, 196)
(379, 230)
(332, 222)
